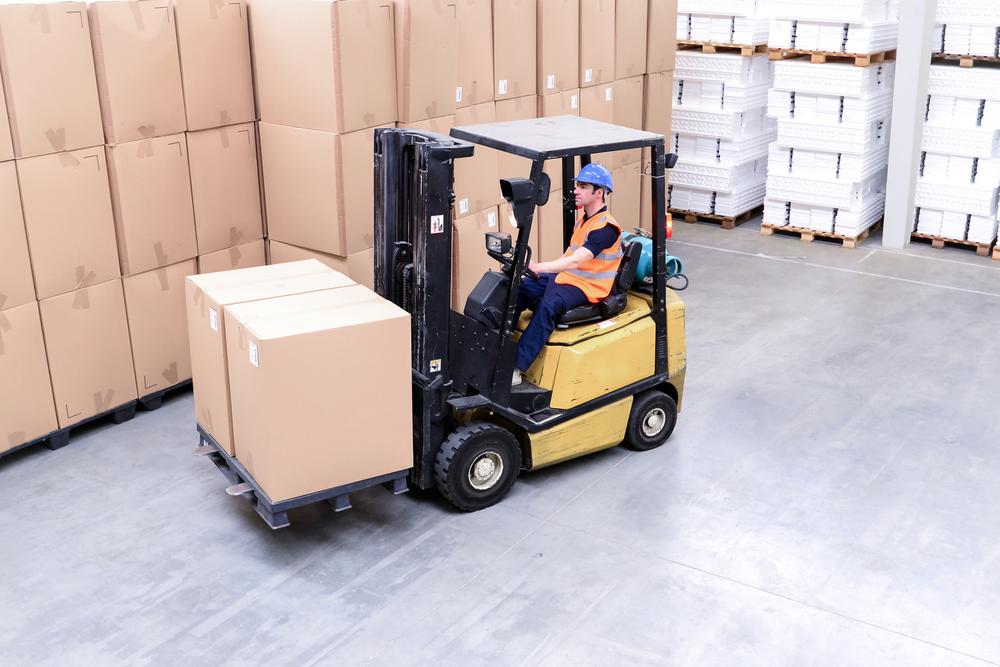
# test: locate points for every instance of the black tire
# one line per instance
(493, 449)
(651, 421)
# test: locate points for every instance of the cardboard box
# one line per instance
(657, 103)
(475, 53)
(628, 112)
(225, 187)
(47, 66)
(16, 286)
(646, 190)
(68, 220)
(426, 58)
(469, 260)
(549, 222)
(661, 50)
(477, 184)
(304, 419)
(157, 323)
(514, 48)
(151, 197)
(214, 44)
(597, 42)
(558, 46)
(519, 108)
(624, 201)
(598, 102)
(631, 18)
(243, 256)
(138, 69)
(6, 145)
(206, 295)
(90, 360)
(325, 64)
(27, 409)
(319, 188)
(359, 267)
(566, 103)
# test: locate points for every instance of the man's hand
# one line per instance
(535, 267)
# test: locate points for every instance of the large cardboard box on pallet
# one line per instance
(597, 42)
(469, 260)
(68, 220)
(318, 188)
(631, 19)
(306, 420)
(151, 196)
(477, 185)
(138, 69)
(243, 256)
(155, 304)
(27, 409)
(558, 46)
(225, 187)
(47, 67)
(661, 24)
(475, 53)
(628, 113)
(214, 46)
(325, 64)
(426, 58)
(515, 48)
(6, 145)
(16, 285)
(90, 359)
(206, 295)
(359, 267)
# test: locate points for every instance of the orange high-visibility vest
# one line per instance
(596, 276)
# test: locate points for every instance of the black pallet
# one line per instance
(154, 401)
(59, 439)
(275, 514)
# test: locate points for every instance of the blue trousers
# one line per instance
(548, 300)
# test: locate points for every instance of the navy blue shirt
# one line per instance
(601, 239)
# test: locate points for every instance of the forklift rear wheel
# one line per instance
(652, 420)
(477, 465)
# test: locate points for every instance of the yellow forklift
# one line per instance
(613, 372)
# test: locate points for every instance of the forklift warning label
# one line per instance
(213, 319)
(437, 224)
(435, 365)
(254, 359)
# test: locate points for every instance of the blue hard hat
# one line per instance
(597, 175)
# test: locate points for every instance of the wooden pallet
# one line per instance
(820, 57)
(722, 47)
(982, 249)
(692, 217)
(809, 235)
(996, 253)
(965, 60)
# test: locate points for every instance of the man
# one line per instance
(584, 274)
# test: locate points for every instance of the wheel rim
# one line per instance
(653, 423)
(485, 471)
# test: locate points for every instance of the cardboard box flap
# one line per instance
(277, 288)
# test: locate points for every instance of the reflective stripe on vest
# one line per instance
(595, 277)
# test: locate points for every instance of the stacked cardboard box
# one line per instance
(658, 88)
(827, 169)
(959, 178)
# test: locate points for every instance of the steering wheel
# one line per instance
(508, 266)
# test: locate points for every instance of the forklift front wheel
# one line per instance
(651, 421)
(477, 465)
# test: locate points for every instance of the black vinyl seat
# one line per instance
(613, 303)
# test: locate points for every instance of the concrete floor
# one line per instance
(829, 498)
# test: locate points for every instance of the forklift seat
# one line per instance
(613, 303)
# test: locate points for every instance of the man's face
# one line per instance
(586, 194)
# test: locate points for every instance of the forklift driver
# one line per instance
(584, 274)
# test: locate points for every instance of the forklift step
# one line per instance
(529, 398)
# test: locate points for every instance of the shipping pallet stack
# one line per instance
(959, 175)
(721, 131)
(832, 97)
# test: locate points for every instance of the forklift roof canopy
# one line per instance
(555, 137)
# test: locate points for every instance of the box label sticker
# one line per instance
(213, 319)
(254, 357)
(607, 94)
(437, 224)
(435, 365)
(588, 75)
(458, 94)
(491, 219)
(550, 81)
(574, 101)
(463, 205)
(502, 87)
(605, 324)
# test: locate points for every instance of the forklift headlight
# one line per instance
(498, 242)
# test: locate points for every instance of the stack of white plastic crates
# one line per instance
(967, 29)
(720, 127)
(833, 104)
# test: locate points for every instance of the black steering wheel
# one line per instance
(508, 266)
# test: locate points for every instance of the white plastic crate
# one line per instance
(973, 12)
(724, 7)
(960, 170)
(724, 67)
(984, 143)
(836, 139)
(720, 151)
(833, 37)
(841, 11)
(968, 82)
(720, 124)
(800, 75)
(970, 199)
(722, 29)
(966, 40)
(719, 177)
(822, 165)
(718, 96)
(828, 109)
(841, 194)
(729, 204)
